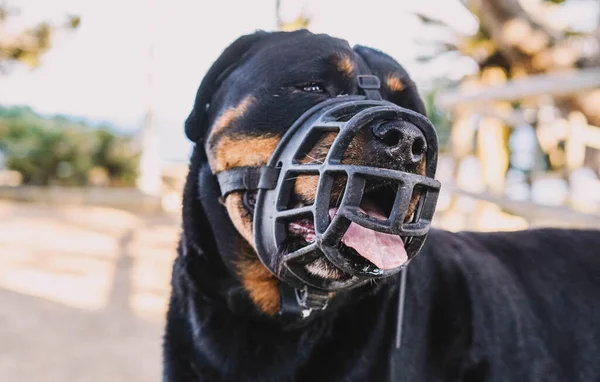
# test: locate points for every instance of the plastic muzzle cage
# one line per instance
(346, 116)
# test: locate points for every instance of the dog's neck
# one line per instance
(199, 247)
(230, 340)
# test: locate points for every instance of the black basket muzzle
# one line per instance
(346, 116)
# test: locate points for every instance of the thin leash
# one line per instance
(394, 371)
(401, 297)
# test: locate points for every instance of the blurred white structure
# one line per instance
(149, 180)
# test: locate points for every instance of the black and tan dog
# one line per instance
(521, 306)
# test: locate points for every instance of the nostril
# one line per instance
(391, 137)
(419, 146)
(404, 141)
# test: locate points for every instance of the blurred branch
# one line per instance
(302, 21)
(526, 42)
(516, 34)
(532, 211)
(30, 44)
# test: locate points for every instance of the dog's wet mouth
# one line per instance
(373, 251)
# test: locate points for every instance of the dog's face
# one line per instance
(260, 94)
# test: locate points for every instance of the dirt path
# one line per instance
(83, 293)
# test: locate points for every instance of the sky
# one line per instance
(104, 70)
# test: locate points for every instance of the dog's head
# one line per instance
(253, 94)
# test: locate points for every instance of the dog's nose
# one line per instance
(402, 140)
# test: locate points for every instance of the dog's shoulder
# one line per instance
(537, 259)
(519, 287)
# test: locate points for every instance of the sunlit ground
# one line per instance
(83, 292)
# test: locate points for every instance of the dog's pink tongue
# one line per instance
(384, 250)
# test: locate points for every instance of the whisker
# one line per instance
(337, 202)
(314, 160)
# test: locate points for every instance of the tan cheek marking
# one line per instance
(306, 186)
(354, 152)
(240, 218)
(261, 284)
(345, 65)
(422, 164)
(394, 83)
(242, 151)
(229, 116)
(412, 207)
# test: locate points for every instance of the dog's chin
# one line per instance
(324, 269)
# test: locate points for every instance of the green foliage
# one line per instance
(439, 118)
(74, 22)
(114, 155)
(58, 151)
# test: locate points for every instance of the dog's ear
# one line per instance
(195, 125)
(396, 82)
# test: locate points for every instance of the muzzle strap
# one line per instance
(247, 179)
(370, 86)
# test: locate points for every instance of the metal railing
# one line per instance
(554, 84)
(577, 133)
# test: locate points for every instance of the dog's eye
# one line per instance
(312, 88)
(249, 200)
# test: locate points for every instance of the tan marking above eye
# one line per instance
(228, 116)
(345, 65)
(394, 83)
(240, 151)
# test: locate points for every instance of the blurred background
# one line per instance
(93, 96)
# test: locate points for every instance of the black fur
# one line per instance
(517, 306)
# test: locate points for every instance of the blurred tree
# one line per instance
(27, 46)
(45, 154)
(113, 153)
(59, 151)
(529, 39)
